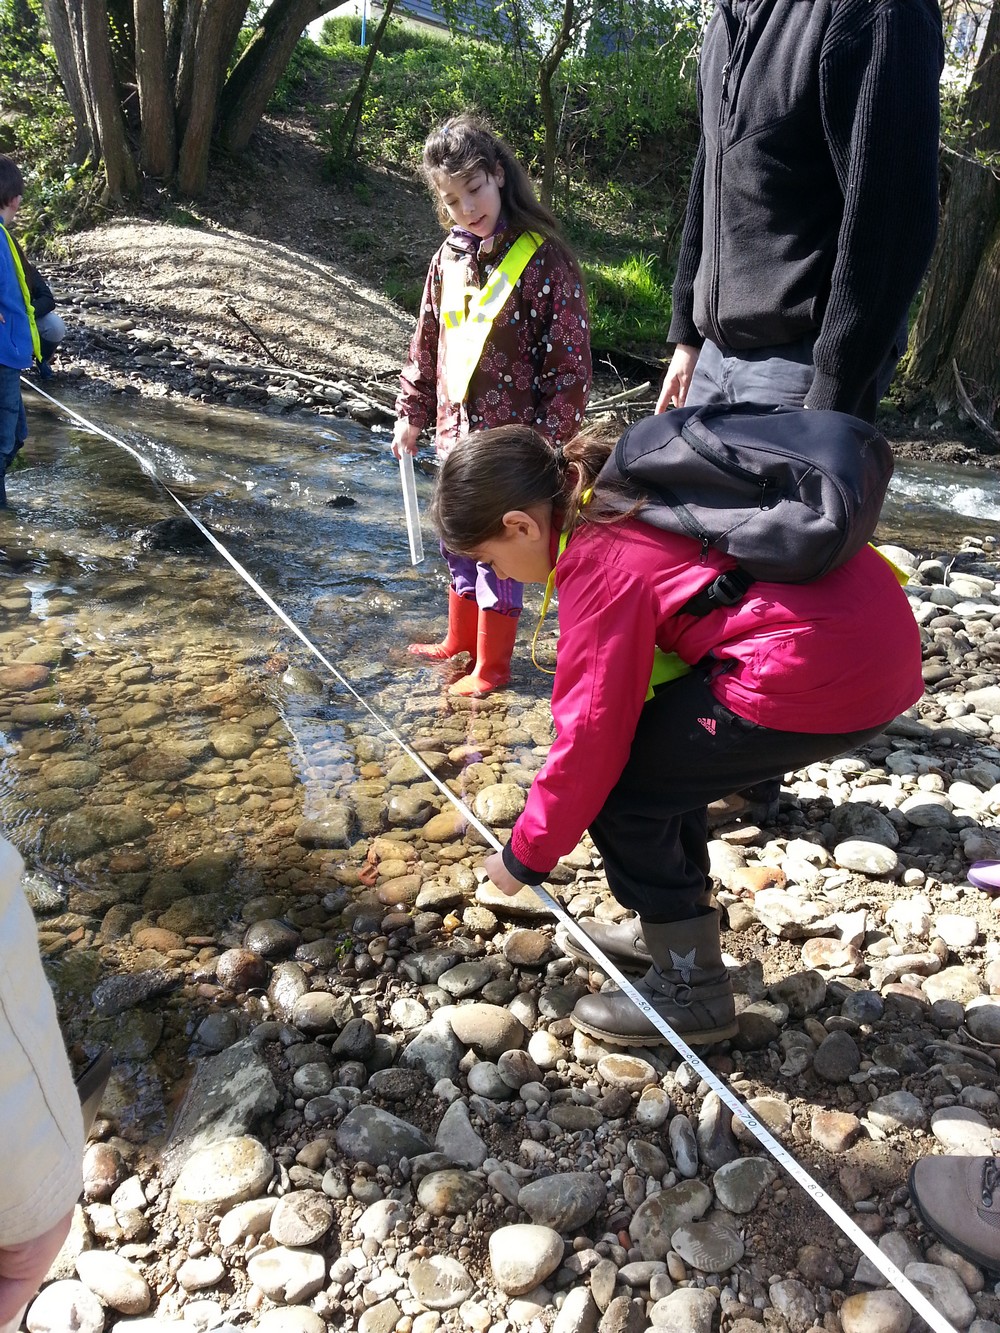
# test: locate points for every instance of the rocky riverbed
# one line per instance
(347, 1093)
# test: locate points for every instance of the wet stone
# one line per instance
(333, 829)
(239, 970)
(318, 1011)
(117, 993)
(983, 1020)
(499, 805)
(232, 742)
(408, 810)
(18, 678)
(271, 939)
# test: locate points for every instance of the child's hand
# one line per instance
(501, 876)
(404, 437)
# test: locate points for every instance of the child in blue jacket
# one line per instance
(19, 344)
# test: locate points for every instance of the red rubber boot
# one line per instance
(463, 620)
(494, 648)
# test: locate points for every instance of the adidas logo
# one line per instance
(708, 723)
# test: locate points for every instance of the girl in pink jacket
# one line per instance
(792, 674)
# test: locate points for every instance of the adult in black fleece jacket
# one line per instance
(814, 201)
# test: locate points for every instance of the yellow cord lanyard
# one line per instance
(666, 666)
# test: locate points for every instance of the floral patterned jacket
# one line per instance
(535, 366)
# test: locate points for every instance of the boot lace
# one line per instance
(991, 1180)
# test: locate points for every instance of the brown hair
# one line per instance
(494, 471)
(11, 180)
(464, 145)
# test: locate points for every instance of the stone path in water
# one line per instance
(392, 1125)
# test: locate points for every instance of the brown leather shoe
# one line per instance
(687, 985)
(959, 1199)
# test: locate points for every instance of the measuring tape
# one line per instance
(931, 1316)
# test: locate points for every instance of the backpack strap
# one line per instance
(725, 590)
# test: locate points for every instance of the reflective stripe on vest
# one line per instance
(666, 666)
(467, 313)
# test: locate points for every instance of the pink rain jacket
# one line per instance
(840, 654)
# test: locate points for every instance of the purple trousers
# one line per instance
(479, 584)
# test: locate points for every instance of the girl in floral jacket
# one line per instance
(503, 337)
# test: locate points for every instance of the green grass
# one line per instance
(630, 303)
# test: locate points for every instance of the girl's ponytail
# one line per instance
(492, 472)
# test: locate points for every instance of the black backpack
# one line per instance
(789, 493)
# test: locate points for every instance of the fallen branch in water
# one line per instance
(969, 408)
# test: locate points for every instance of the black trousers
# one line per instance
(689, 750)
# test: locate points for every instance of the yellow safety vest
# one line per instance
(36, 346)
(467, 313)
(666, 666)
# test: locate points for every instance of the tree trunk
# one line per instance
(976, 348)
(209, 56)
(119, 168)
(158, 150)
(972, 211)
(546, 72)
(350, 122)
(183, 17)
(256, 74)
(61, 36)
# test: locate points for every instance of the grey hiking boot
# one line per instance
(622, 941)
(959, 1199)
(687, 985)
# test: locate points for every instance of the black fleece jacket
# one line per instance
(814, 200)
